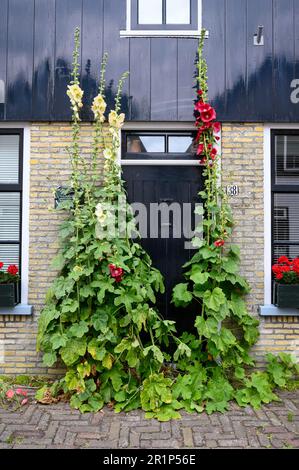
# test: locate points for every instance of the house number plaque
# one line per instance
(232, 190)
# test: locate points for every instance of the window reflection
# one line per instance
(144, 144)
(180, 144)
(178, 11)
(150, 12)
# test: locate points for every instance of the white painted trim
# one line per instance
(25, 206)
(158, 33)
(267, 217)
(268, 208)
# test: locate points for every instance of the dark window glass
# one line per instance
(285, 194)
(169, 145)
(287, 159)
(10, 196)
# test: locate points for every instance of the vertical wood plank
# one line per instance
(3, 52)
(187, 50)
(140, 83)
(43, 69)
(20, 60)
(164, 79)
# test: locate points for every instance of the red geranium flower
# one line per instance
(219, 243)
(284, 260)
(13, 270)
(1, 265)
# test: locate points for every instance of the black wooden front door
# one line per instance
(166, 184)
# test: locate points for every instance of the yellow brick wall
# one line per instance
(242, 149)
(49, 168)
(243, 165)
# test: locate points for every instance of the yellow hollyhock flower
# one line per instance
(99, 107)
(116, 120)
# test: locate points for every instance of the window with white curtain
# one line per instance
(11, 144)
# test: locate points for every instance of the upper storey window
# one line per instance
(163, 18)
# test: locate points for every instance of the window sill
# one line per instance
(20, 309)
(160, 34)
(273, 311)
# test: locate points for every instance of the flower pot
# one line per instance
(8, 294)
(286, 295)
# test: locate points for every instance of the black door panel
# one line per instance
(166, 184)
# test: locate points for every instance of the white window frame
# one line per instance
(23, 308)
(129, 32)
(268, 309)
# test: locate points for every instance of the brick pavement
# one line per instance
(58, 426)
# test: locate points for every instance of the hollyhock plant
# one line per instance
(286, 271)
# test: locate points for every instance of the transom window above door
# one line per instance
(163, 18)
(167, 146)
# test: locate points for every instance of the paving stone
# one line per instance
(59, 426)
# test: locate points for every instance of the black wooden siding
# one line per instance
(247, 82)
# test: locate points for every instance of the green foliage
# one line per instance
(100, 318)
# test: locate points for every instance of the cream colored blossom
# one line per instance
(116, 120)
(78, 269)
(75, 94)
(108, 154)
(99, 107)
(100, 214)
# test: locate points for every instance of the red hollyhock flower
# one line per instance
(115, 272)
(200, 92)
(13, 270)
(217, 127)
(210, 146)
(284, 260)
(203, 161)
(208, 115)
(1, 265)
(202, 107)
(200, 149)
(217, 137)
(214, 152)
(219, 243)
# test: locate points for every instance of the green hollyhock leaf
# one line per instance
(78, 329)
(206, 328)
(157, 353)
(99, 321)
(114, 376)
(240, 373)
(181, 297)
(108, 361)
(58, 340)
(182, 350)
(199, 277)
(74, 349)
(230, 266)
(213, 300)
(96, 350)
(49, 359)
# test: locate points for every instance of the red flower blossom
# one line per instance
(203, 161)
(200, 92)
(202, 107)
(217, 137)
(1, 265)
(20, 391)
(219, 243)
(217, 127)
(213, 153)
(116, 273)
(13, 270)
(284, 260)
(208, 115)
(200, 149)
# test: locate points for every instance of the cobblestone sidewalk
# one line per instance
(58, 426)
